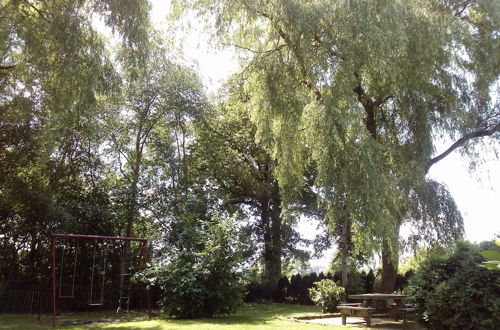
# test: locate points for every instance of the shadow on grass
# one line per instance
(250, 315)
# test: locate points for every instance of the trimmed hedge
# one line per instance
(295, 290)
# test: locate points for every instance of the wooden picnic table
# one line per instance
(369, 306)
(368, 298)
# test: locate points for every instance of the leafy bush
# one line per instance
(298, 292)
(200, 280)
(355, 283)
(282, 289)
(403, 280)
(368, 280)
(453, 291)
(327, 294)
(256, 291)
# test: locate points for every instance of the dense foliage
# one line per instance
(334, 117)
(242, 174)
(360, 89)
(201, 278)
(453, 291)
(327, 294)
(55, 73)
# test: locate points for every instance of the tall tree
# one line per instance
(243, 174)
(157, 97)
(157, 94)
(54, 71)
(382, 79)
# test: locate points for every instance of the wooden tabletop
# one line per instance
(374, 296)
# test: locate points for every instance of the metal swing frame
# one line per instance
(54, 237)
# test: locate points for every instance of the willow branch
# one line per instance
(7, 67)
(460, 142)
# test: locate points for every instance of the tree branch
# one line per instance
(460, 142)
(119, 148)
(40, 12)
(7, 67)
(368, 105)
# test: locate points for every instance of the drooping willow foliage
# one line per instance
(361, 89)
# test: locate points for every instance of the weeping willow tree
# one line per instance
(362, 89)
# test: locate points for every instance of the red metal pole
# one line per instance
(146, 260)
(54, 303)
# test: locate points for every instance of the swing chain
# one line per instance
(74, 271)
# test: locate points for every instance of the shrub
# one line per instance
(368, 280)
(355, 283)
(282, 289)
(403, 280)
(327, 294)
(295, 288)
(256, 291)
(200, 280)
(453, 291)
(307, 283)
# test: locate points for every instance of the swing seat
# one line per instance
(95, 304)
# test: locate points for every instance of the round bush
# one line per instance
(453, 291)
(201, 279)
(327, 294)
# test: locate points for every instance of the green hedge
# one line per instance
(452, 290)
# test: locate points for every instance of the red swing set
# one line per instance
(123, 295)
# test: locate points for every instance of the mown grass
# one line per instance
(260, 316)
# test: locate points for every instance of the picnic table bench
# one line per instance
(365, 312)
(367, 308)
(401, 313)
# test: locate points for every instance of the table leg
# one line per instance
(343, 319)
(399, 302)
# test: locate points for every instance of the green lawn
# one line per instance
(261, 316)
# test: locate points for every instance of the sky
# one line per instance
(477, 194)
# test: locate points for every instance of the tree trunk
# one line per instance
(265, 218)
(131, 215)
(343, 256)
(385, 281)
(344, 242)
(276, 246)
(271, 226)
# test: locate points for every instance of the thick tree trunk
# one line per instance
(271, 225)
(276, 246)
(265, 217)
(386, 279)
(385, 282)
